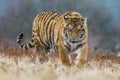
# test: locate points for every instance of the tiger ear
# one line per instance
(85, 24)
(65, 16)
(86, 20)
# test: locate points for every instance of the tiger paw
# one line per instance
(43, 58)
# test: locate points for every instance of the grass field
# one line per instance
(16, 64)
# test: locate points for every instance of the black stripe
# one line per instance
(30, 45)
(51, 35)
(33, 30)
(48, 26)
(53, 29)
(65, 33)
(68, 44)
(32, 40)
(79, 46)
(19, 42)
(67, 47)
(20, 36)
(21, 46)
(40, 27)
(26, 48)
(33, 35)
(43, 40)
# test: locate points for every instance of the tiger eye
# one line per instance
(79, 27)
(70, 27)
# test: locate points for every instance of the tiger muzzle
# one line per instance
(79, 39)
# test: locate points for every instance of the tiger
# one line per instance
(66, 33)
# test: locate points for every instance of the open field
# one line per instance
(16, 64)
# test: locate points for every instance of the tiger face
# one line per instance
(74, 27)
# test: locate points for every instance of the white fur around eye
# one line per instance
(70, 26)
(79, 27)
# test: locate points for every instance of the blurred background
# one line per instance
(16, 16)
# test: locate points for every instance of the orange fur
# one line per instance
(65, 33)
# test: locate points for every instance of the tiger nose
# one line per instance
(74, 36)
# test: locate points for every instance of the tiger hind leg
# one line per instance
(41, 56)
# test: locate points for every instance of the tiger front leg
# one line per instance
(82, 56)
(63, 55)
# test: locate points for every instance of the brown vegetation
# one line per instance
(17, 64)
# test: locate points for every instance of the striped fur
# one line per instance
(20, 42)
(65, 33)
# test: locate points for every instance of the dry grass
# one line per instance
(16, 64)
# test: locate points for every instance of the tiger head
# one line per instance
(74, 27)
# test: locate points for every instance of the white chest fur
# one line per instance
(76, 54)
